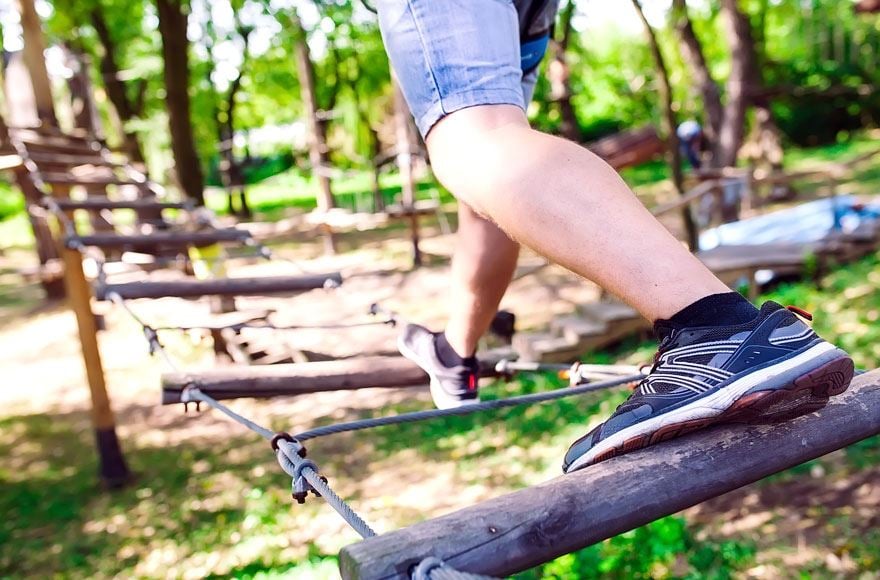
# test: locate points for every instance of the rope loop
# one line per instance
(285, 436)
(424, 568)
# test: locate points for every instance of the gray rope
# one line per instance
(435, 569)
(271, 326)
(296, 467)
(192, 394)
(466, 410)
(301, 470)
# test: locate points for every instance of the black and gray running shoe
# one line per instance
(771, 369)
(451, 387)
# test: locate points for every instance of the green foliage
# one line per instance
(11, 201)
(664, 548)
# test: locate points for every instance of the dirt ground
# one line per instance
(44, 377)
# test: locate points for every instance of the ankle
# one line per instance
(448, 354)
(724, 309)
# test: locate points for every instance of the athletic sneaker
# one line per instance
(451, 386)
(771, 369)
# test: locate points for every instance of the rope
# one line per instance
(303, 471)
(435, 569)
(271, 326)
(466, 410)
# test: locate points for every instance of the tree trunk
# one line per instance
(34, 48)
(404, 163)
(317, 143)
(172, 26)
(692, 51)
(375, 185)
(559, 76)
(316, 128)
(670, 124)
(740, 84)
(116, 91)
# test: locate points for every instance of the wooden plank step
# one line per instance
(264, 286)
(574, 328)
(71, 160)
(545, 347)
(757, 257)
(98, 203)
(59, 146)
(58, 178)
(607, 311)
(420, 207)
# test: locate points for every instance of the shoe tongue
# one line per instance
(663, 329)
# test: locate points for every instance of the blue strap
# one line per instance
(532, 51)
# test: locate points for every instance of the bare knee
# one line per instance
(467, 151)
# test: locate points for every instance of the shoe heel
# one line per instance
(806, 394)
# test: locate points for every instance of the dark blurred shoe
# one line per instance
(451, 386)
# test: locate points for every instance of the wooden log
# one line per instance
(193, 288)
(200, 238)
(521, 530)
(98, 203)
(310, 377)
(299, 378)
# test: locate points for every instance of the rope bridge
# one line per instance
(518, 531)
(521, 530)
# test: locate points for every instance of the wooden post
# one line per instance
(404, 163)
(523, 529)
(112, 467)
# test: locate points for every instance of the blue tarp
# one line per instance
(805, 223)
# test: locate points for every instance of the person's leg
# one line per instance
(482, 267)
(719, 357)
(564, 202)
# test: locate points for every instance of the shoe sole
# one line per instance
(442, 399)
(805, 388)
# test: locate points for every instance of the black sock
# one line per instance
(447, 354)
(726, 309)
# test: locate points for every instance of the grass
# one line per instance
(219, 507)
(216, 506)
(292, 189)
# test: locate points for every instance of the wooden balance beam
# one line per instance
(192, 288)
(311, 377)
(521, 530)
(122, 241)
(298, 378)
(101, 203)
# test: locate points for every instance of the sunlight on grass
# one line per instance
(212, 506)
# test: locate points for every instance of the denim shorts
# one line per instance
(453, 54)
